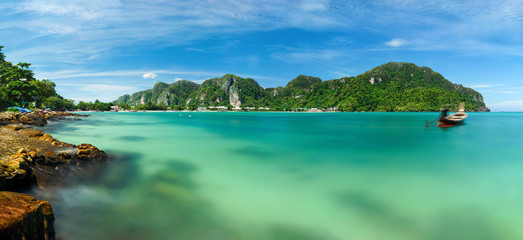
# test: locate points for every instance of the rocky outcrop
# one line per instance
(44, 159)
(38, 134)
(234, 98)
(41, 160)
(25, 217)
(57, 115)
(34, 118)
(89, 152)
(164, 98)
(38, 119)
(16, 173)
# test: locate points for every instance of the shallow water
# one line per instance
(295, 176)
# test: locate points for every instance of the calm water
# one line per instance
(285, 176)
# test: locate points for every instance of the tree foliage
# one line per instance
(18, 87)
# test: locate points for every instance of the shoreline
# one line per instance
(248, 111)
(31, 158)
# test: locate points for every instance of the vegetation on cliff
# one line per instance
(393, 86)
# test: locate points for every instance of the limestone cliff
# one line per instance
(228, 90)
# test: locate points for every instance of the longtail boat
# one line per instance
(453, 119)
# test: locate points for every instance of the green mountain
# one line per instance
(393, 86)
(176, 93)
(227, 90)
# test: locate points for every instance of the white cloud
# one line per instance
(396, 42)
(177, 79)
(87, 9)
(314, 5)
(67, 74)
(296, 55)
(82, 73)
(97, 87)
(90, 92)
(149, 75)
(104, 24)
(106, 88)
(506, 91)
(509, 105)
(482, 86)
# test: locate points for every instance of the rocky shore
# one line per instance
(31, 158)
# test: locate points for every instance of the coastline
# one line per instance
(32, 158)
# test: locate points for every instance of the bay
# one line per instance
(227, 175)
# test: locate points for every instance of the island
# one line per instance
(391, 87)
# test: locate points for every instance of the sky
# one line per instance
(102, 49)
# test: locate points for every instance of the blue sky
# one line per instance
(101, 49)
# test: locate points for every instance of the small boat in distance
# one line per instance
(453, 119)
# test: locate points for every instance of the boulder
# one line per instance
(89, 152)
(25, 217)
(16, 173)
(34, 118)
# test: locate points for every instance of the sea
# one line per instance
(294, 176)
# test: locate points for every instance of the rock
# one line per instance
(21, 151)
(25, 217)
(47, 137)
(54, 115)
(16, 173)
(34, 118)
(50, 157)
(64, 157)
(89, 152)
(31, 132)
(15, 127)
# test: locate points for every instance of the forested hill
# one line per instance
(393, 86)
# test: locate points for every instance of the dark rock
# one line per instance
(25, 217)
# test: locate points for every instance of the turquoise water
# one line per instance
(296, 176)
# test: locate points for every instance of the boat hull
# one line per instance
(453, 120)
(449, 123)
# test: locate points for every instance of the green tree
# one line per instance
(58, 103)
(82, 106)
(44, 89)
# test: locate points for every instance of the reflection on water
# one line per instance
(281, 176)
